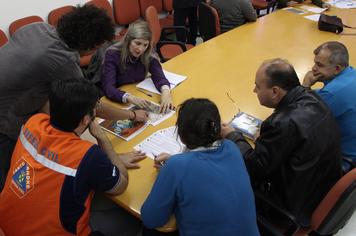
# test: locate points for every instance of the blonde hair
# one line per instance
(137, 30)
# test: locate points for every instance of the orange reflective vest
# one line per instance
(43, 157)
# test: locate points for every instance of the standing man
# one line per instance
(297, 156)
(54, 173)
(39, 54)
(331, 67)
(183, 10)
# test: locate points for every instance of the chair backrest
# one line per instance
(57, 13)
(15, 25)
(209, 24)
(126, 11)
(337, 206)
(168, 5)
(3, 38)
(103, 4)
(144, 4)
(151, 17)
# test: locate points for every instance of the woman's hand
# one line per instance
(160, 160)
(142, 103)
(166, 101)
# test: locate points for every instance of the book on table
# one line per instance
(125, 129)
(247, 124)
(128, 129)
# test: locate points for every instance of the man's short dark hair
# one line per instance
(281, 73)
(70, 100)
(338, 53)
(85, 28)
(198, 122)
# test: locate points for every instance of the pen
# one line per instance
(147, 94)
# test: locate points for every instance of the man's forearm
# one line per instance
(109, 112)
(106, 146)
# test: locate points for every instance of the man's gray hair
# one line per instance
(338, 53)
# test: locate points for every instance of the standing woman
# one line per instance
(186, 10)
(207, 187)
(129, 61)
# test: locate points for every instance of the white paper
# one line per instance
(164, 140)
(294, 10)
(314, 17)
(313, 9)
(174, 80)
(345, 4)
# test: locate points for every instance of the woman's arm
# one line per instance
(162, 84)
(109, 76)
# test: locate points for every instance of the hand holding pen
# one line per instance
(160, 159)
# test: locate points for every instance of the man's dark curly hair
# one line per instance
(85, 27)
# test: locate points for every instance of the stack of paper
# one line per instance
(164, 140)
(314, 17)
(313, 9)
(174, 80)
(345, 4)
(294, 10)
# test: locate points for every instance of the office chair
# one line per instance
(165, 49)
(15, 25)
(168, 8)
(268, 5)
(56, 14)
(126, 12)
(209, 22)
(103, 4)
(3, 38)
(331, 214)
(164, 20)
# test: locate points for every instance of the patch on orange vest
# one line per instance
(22, 178)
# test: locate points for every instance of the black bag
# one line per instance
(330, 23)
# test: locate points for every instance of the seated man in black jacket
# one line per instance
(298, 152)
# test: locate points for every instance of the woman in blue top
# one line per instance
(129, 62)
(207, 187)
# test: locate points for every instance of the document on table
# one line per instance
(314, 17)
(164, 140)
(173, 78)
(313, 9)
(294, 10)
(346, 4)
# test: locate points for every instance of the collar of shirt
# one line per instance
(347, 69)
(213, 146)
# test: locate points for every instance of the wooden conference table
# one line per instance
(227, 64)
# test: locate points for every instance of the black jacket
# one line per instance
(298, 153)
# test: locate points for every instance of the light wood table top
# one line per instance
(227, 64)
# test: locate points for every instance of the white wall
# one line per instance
(11, 10)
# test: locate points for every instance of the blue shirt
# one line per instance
(340, 95)
(209, 192)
